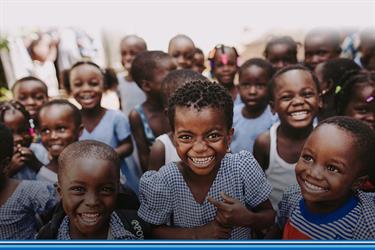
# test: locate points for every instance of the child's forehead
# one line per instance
(86, 68)
(181, 44)
(57, 110)
(30, 85)
(294, 78)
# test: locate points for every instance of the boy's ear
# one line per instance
(80, 130)
(58, 189)
(146, 85)
(358, 183)
(5, 166)
(272, 106)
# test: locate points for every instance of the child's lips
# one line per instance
(89, 218)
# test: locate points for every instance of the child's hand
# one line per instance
(213, 230)
(231, 212)
(15, 164)
(29, 157)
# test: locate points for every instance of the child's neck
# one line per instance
(327, 206)
(129, 77)
(294, 133)
(102, 234)
(153, 104)
(53, 165)
(252, 113)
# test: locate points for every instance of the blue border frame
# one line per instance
(186, 245)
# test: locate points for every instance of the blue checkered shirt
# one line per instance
(166, 198)
(17, 214)
(116, 229)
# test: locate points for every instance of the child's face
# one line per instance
(164, 67)
(325, 171)
(32, 95)
(57, 128)
(88, 188)
(129, 49)
(296, 99)
(359, 106)
(86, 83)
(253, 87)
(182, 52)
(16, 121)
(225, 70)
(319, 49)
(42, 49)
(280, 56)
(202, 138)
(198, 63)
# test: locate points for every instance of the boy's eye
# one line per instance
(332, 168)
(61, 129)
(45, 131)
(307, 158)
(94, 83)
(185, 137)
(77, 189)
(77, 84)
(214, 136)
(308, 94)
(107, 190)
(40, 97)
(286, 97)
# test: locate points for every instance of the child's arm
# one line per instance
(125, 147)
(274, 233)
(261, 149)
(232, 212)
(140, 138)
(157, 156)
(212, 230)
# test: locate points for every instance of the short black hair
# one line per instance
(259, 62)
(145, 64)
(29, 78)
(87, 149)
(333, 36)
(177, 78)
(14, 105)
(364, 140)
(75, 113)
(343, 97)
(287, 40)
(201, 94)
(179, 36)
(272, 82)
(198, 51)
(6, 145)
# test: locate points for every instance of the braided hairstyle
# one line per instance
(200, 94)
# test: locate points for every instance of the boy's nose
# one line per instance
(91, 199)
(199, 146)
(316, 172)
(29, 101)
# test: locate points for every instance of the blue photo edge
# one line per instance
(186, 245)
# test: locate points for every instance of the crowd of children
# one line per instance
(269, 149)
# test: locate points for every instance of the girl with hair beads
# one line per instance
(294, 97)
(357, 100)
(210, 193)
(281, 52)
(27, 157)
(32, 93)
(20, 201)
(86, 83)
(223, 62)
(326, 205)
(357, 97)
(255, 116)
(332, 75)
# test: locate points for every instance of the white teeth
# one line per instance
(313, 187)
(300, 115)
(203, 161)
(90, 218)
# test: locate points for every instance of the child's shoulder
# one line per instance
(167, 174)
(242, 161)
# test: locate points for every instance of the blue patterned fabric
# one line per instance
(116, 229)
(166, 198)
(146, 127)
(360, 221)
(17, 214)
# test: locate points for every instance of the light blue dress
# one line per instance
(247, 130)
(166, 198)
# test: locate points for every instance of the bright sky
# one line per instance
(207, 22)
